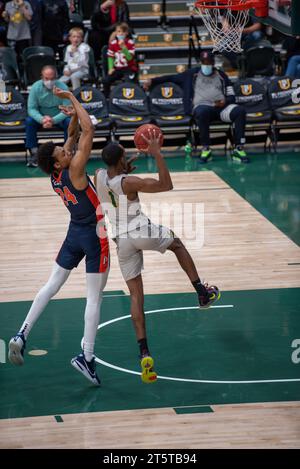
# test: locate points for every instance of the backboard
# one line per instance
(284, 15)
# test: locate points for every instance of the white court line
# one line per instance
(186, 380)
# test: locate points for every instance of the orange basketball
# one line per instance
(147, 131)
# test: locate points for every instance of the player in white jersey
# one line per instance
(133, 233)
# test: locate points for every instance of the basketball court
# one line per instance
(228, 376)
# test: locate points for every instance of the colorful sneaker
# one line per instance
(212, 295)
(239, 155)
(88, 369)
(205, 156)
(16, 349)
(148, 374)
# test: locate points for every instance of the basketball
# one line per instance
(146, 130)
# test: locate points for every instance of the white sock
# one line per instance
(55, 282)
(95, 286)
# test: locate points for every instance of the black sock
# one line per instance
(144, 351)
(200, 289)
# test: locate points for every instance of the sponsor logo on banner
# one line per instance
(284, 84)
(167, 92)
(5, 97)
(246, 89)
(128, 93)
(86, 96)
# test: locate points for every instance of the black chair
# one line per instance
(93, 72)
(167, 110)
(93, 100)
(128, 107)
(9, 66)
(260, 60)
(34, 59)
(253, 96)
(12, 115)
(284, 100)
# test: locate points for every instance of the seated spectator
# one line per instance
(55, 23)
(43, 110)
(18, 13)
(76, 58)
(104, 21)
(209, 96)
(121, 61)
(293, 68)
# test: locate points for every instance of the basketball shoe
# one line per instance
(148, 374)
(16, 349)
(212, 295)
(88, 369)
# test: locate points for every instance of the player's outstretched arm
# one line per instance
(132, 184)
(77, 167)
(73, 129)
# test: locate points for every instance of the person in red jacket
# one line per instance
(121, 58)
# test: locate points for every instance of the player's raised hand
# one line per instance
(63, 94)
(67, 110)
(153, 143)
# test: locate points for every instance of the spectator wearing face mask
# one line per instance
(209, 96)
(121, 58)
(44, 111)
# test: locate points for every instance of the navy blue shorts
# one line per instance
(82, 241)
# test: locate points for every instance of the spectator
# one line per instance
(292, 47)
(2, 25)
(293, 68)
(76, 58)
(121, 62)
(43, 110)
(103, 23)
(18, 13)
(55, 23)
(209, 95)
(36, 22)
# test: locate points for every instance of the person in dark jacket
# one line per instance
(55, 23)
(209, 96)
(36, 22)
(103, 23)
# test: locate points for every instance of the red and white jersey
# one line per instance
(115, 51)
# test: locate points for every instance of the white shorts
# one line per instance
(130, 247)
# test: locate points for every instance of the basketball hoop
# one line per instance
(226, 19)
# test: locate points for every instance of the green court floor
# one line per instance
(239, 351)
(243, 351)
(270, 182)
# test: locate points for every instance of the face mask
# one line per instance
(49, 84)
(206, 69)
(121, 37)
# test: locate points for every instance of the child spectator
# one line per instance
(121, 61)
(18, 13)
(76, 58)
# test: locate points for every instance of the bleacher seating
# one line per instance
(128, 107)
(285, 104)
(95, 104)
(253, 96)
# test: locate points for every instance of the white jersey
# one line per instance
(124, 215)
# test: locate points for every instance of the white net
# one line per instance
(224, 25)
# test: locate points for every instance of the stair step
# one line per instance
(174, 8)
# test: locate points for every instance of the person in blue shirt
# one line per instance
(43, 110)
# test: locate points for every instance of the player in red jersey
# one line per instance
(67, 170)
